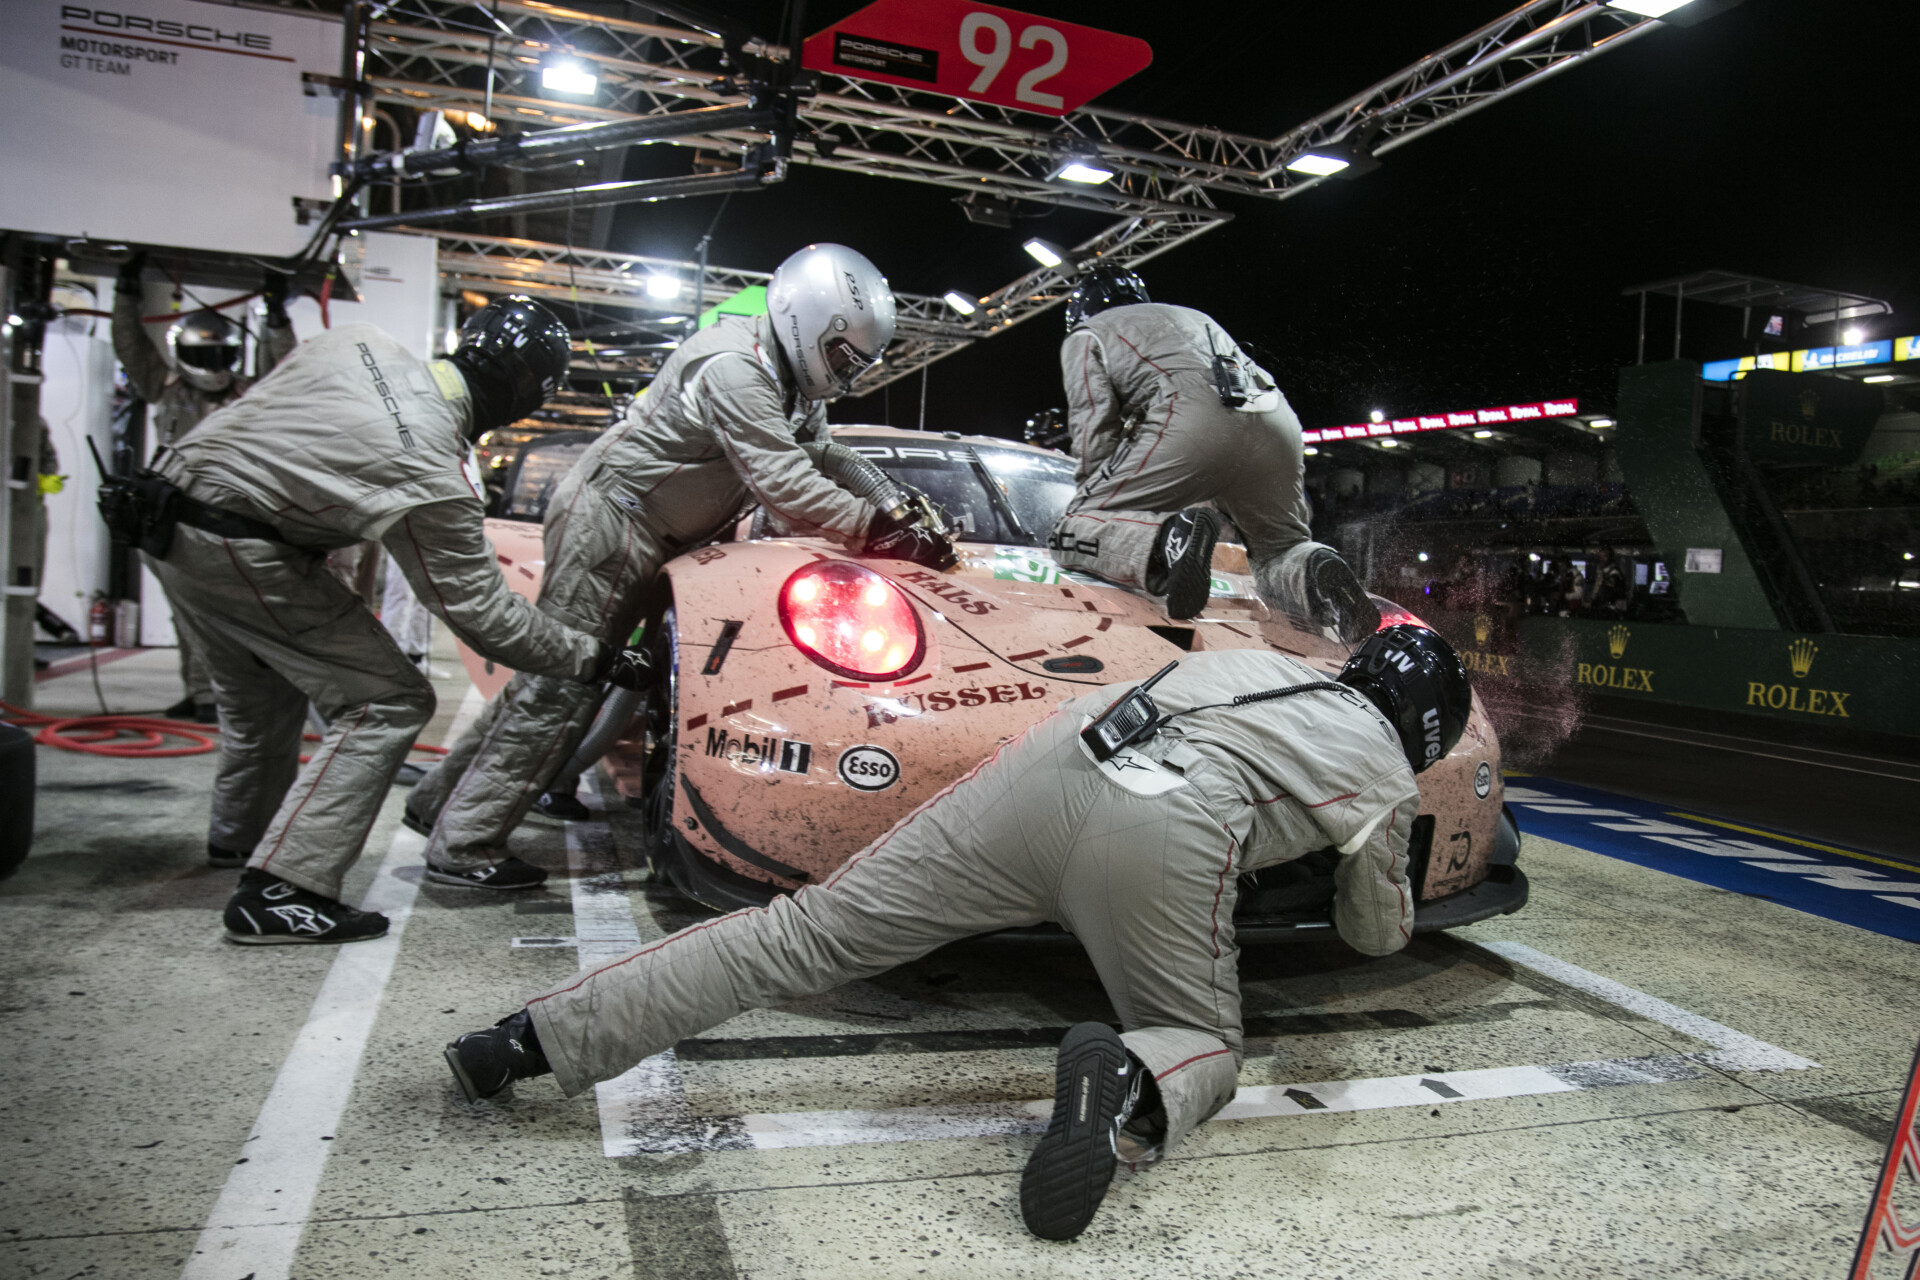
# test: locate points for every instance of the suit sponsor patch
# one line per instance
(868, 768)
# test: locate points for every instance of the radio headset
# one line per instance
(1229, 378)
(1135, 718)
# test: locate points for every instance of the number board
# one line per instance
(978, 51)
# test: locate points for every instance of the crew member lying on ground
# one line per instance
(1138, 857)
(1175, 428)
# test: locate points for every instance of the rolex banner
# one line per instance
(1806, 417)
(165, 122)
(1847, 682)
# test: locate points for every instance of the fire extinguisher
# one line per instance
(100, 622)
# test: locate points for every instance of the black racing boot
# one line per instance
(206, 712)
(181, 710)
(218, 857)
(412, 820)
(486, 1062)
(508, 873)
(1336, 599)
(1096, 1084)
(563, 805)
(266, 909)
(1182, 560)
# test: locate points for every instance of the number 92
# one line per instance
(993, 59)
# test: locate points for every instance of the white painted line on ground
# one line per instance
(256, 1225)
(1737, 1051)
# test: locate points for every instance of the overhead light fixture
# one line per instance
(567, 76)
(1349, 157)
(1598, 423)
(988, 211)
(961, 302)
(1483, 435)
(1377, 416)
(1422, 557)
(1681, 13)
(1316, 165)
(1879, 377)
(663, 287)
(1647, 8)
(1045, 252)
(1082, 167)
(1313, 451)
(1389, 444)
(1853, 337)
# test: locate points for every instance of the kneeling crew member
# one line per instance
(351, 439)
(719, 427)
(1165, 413)
(1137, 856)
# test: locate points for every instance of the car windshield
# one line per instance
(1034, 488)
(542, 465)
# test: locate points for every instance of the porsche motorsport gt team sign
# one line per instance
(978, 51)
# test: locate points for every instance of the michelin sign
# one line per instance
(172, 122)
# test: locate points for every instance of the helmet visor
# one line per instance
(208, 356)
(846, 361)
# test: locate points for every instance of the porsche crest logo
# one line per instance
(1800, 653)
(1617, 636)
(1482, 628)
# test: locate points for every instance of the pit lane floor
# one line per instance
(1616, 1082)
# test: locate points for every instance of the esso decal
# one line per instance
(869, 768)
(1483, 780)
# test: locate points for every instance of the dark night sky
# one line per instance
(1481, 263)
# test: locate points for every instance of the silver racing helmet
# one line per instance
(833, 312)
(206, 349)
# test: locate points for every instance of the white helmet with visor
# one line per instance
(833, 312)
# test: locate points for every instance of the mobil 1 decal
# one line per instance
(759, 752)
(869, 768)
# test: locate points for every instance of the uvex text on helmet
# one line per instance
(514, 354)
(206, 349)
(1107, 285)
(833, 313)
(1419, 683)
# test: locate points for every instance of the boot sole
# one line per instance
(414, 825)
(460, 1075)
(1067, 1176)
(288, 939)
(1332, 582)
(1190, 582)
(442, 877)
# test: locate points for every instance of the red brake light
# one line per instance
(851, 621)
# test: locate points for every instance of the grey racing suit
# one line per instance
(1152, 436)
(717, 429)
(1139, 862)
(351, 439)
(177, 407)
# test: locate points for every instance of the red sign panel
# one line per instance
(1538, 411)
(978, 51)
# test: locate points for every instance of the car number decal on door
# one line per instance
(868, 768)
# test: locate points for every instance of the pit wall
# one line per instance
(1863, 683)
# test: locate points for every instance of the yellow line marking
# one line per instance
(1808, 844)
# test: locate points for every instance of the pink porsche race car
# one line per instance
(806, 700)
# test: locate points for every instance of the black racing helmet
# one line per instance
(1107, 285)
(1419, 683)
(514, 354)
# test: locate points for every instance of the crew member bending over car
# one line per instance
(1165, 415)
(1235, 760)
(203, 375)
(718, 428)
(350, 439)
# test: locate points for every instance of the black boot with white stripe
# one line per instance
(508, 873)
(265, 910)
(1096, 1086)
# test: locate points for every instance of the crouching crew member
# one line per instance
(1175, 428)
(1137, 854)
(204, 374)
(350, 439)
(718, 428)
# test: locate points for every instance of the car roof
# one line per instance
(870, 431)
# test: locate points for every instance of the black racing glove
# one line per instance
(273, 291)
(128, 278)
(624, 669)
(916, 543)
